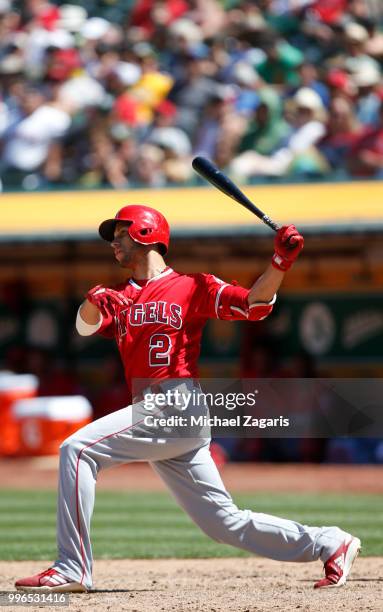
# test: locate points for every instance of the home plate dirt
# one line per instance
(214, 585)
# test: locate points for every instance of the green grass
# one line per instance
(150, 525)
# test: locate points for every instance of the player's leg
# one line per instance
(82, 455)
(196, 484)
(101, 444)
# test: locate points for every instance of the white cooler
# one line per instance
(45, 422)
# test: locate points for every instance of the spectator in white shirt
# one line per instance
(27, 142)
(309, 128)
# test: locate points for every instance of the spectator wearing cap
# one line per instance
(165, 114)
(15, 99)
(374, 44)
(267, 129)
(209, 15)
(22, 99)
(12, 42)
(183, 38)
(61, 64)
(169, 148)
(10, 27)
(119, 80)
(281, 63)
(28, 142)
(106, 64)
(45, 31)
(174, 142)
(93, 34)
(342, 130)
(119, 166)
(329, 11)
(340, 84)
(112, 149)
(212, 124)
(355, 40)
(163, 130)
(233, 125)
(153, 85)
(192, 92)
(95, 29)
(365, 157)
(148, 15)
(148, 169)
(221, 128)
(309, 77)
(72, 17)
(248, 83)
(297, 155)
(367, 104)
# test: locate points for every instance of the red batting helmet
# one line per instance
(147, 225)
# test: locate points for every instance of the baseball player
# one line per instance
(156, 318)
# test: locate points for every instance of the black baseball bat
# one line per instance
(216, 177)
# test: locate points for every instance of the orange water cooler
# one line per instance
(13, 387)
(45, 422)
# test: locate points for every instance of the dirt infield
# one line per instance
(41, 473)
(212, 585)
(216, 585)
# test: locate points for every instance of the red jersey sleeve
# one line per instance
(216, 299)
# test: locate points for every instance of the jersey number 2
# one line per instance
(160, 346)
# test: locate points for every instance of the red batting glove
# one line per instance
(101, 296)
(288, 244)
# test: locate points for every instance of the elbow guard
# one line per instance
(233, 305)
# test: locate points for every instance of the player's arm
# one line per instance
(89, 316)
(288, 244)
(89, 313)
(266, 286)
(230, 302)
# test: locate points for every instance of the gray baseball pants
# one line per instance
(187, 468)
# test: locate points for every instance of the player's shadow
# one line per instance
(95, 591)
(377, 579)
(125, 590)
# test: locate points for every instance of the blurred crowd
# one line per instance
(124, 93)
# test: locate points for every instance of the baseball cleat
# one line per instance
(338, 567)
(49, 581)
